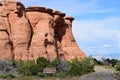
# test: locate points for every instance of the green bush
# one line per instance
(75, 67)
(41, 61)
(113, 62)
(7, 76)
(28, 68)
(60, 75)
(81, 67)
(87, 65)
(118, 65)
(54, 63)
(40, 74)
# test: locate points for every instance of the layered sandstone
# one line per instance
(17, 28)
(35, 32)
(68, 42)
(43, 42)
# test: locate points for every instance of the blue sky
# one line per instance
(96, 26)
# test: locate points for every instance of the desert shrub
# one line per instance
(87, 66)
(6, 68)
(75, 67)
(80, 67)
(42, 62)
(113, 62)
(118, 65)
(28, 68)
(54, 63)
(96, 62)
(7, 76)
(63, 66)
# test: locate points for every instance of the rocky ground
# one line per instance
(101, 73)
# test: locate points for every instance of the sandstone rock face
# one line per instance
(68, 42)
(18, 28)
(43, 42)
(34, 32)
(5, 46)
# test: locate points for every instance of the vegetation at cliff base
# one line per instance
(118, 65)
(31, 68)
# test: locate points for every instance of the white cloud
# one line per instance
(100, 36)
(107, 45)
(93, 28)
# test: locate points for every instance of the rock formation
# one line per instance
(43, 42)
(68, 42)
(34, 32)
(17, 30)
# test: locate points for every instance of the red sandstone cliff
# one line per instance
(35, 32)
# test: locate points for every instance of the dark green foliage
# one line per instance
(54, 63)
(28, 68)
(96, 62)
(109, 62)
(87, 66)
(7, 76)
(113, 62)
(118, 65)
(40, 74)
(10, 69)
(75, 67)
(81, 67)
(42, 62)
(62, 66)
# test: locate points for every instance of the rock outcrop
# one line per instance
(34, 32)
(17, 32)
(68, 42)
(43, 42)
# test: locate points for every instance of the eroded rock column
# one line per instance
(69, 44)
(5, 43)
(20, 31)
(43, 42)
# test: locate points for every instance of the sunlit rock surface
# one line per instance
(29, 33)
